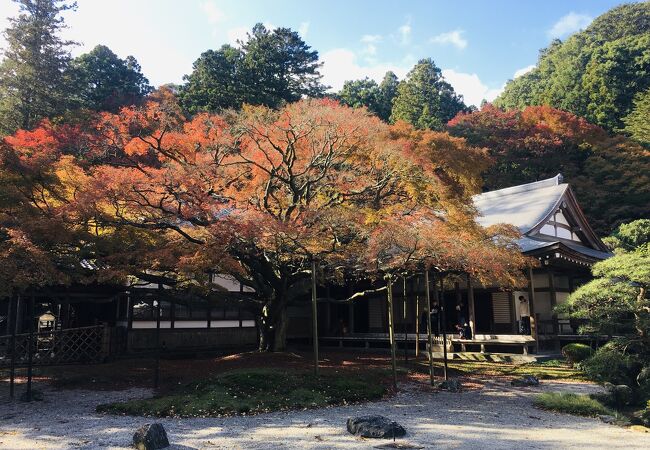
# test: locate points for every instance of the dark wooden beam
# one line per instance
(470, 305)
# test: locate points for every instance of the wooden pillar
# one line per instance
(20, 312)
(314, 315)
(551, 287)
(553, 293)
(129, 311)
(156, 379)
(391, 329)
(11, 313)
(531, 307)
(14, 325)
(470, 305)
(404, 323)
(30, 349)
(459, 302)
(417, 317)
(241, 319)
(428, 312)
(443, 318)
(172, 313)
(513, 313)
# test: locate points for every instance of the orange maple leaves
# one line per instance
(312, 179)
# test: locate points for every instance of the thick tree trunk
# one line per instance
(280, 331)
(272, 325)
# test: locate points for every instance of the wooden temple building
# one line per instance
(117, 320)
(554, 230)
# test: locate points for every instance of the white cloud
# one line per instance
(303, 29)
(212, 12)
(340, 65)
(471, 87)
(405, 33)
(454, 38)
(237, 34)
(241, 33)
(370, 41)
(371, 38)
(523, 71)
(568, 24)
(7, 9)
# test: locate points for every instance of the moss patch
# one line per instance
(580, 405)
(253, 391)
(549, 370)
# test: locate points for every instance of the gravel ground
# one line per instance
(495, 417)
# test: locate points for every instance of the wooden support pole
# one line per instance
(14, 326)
(551, 286)
(172, 312)
(20, 313)
(417, 317)
(156, 379)
(512, 312)
(391, 329)
(443, 318)
(129, 311)
(470, 305)
(314, 315)
(30, 349)
(459, 304)
(406, 353)
(553, 292)
(531, 307)
(429, 337)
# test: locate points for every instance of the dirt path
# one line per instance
(496, 417)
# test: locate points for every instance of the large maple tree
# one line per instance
(260, 193)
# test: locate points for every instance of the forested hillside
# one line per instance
(610, 174)
(601, 73)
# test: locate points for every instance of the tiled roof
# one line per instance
(523, 206)
(527, 206)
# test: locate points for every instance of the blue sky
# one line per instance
(478, 44)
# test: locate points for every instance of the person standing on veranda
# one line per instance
(524, 314)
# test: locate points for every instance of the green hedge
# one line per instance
(576, 353)
(610, 364)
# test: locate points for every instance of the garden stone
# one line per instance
(607, 419)
(527, 380)
(151, 436)
(375, 427)
(451, 385)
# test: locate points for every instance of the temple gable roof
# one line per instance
(547, 214)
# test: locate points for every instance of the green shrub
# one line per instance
(575, 352)
(616, 396)
(581, 405)
(610, 364)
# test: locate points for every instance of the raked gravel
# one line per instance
(495, 417)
